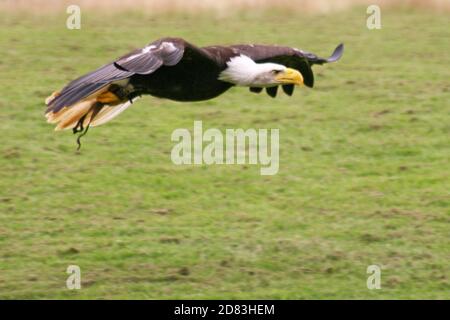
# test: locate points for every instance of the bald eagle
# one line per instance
(175, 69)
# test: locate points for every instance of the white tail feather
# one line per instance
(69, 117)
(108, 113)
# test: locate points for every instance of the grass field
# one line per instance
(364, 167)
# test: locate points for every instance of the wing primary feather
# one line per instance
(335, 56)
(337, 53)
(86, 85)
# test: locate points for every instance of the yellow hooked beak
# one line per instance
(289, 76)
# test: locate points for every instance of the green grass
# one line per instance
(364, 167)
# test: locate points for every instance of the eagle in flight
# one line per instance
(175, 69)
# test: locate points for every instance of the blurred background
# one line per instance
(219, 6)
(364, 170)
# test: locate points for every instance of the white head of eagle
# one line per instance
(243, 71)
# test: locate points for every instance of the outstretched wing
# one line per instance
(167, 51)
(85, 86)
(289, 57)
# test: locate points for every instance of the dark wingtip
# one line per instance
(337, 53)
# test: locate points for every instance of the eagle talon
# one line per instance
(108, 98)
